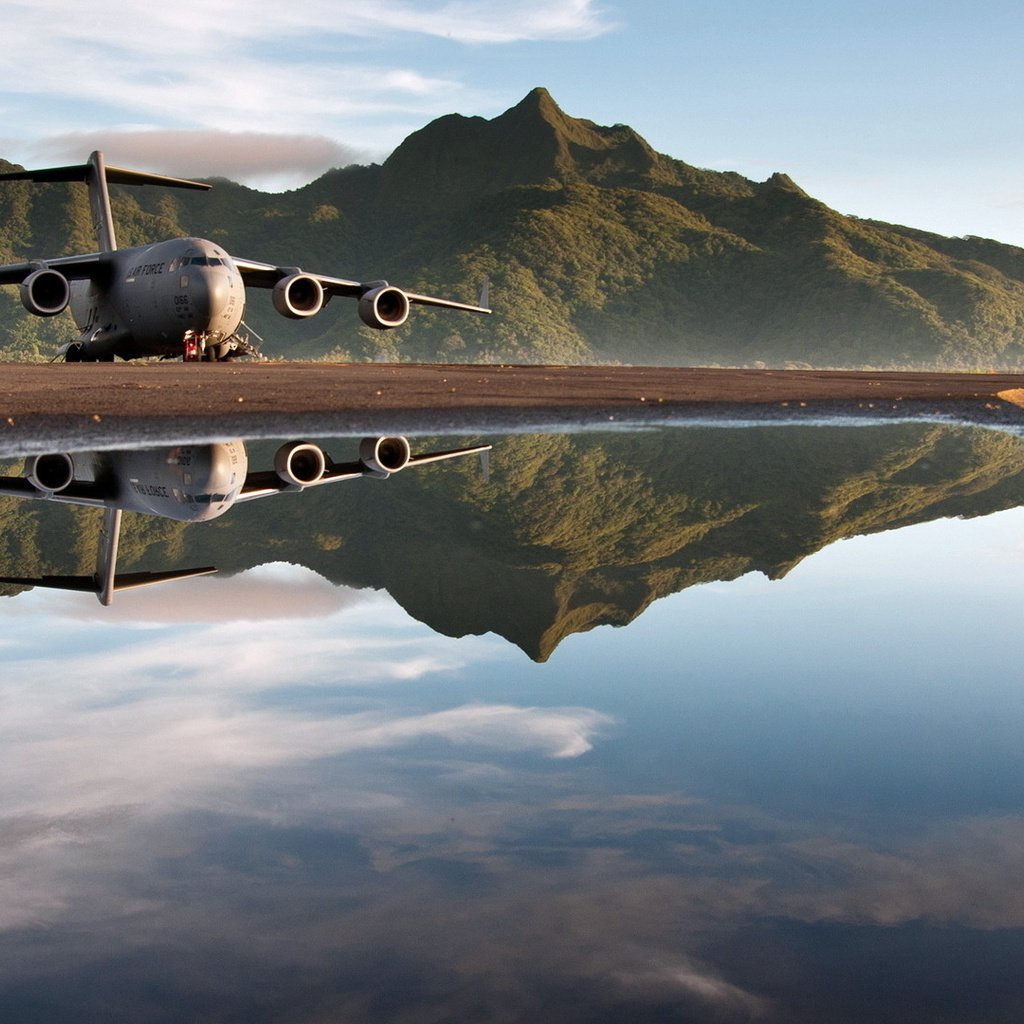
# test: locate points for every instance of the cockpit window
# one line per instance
(205, 499)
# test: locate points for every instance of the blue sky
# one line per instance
(906, 111)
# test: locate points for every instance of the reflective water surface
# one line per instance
(390, 763)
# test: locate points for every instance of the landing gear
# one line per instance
(233, 348)
(76, 352)
(213, 348)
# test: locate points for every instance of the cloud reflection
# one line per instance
(385, 825)
(269, 592)
(189, 707)
(103, 747)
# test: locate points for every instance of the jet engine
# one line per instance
(45, 292)
(300, 463)
(298, 296)
(384, 455)
(384, 307)
(52, 473)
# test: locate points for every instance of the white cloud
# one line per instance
(315, 69)
(482, 21)
(190, 23)
(242, 156)
(695, 982)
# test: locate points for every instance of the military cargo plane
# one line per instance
(181, 298)
(189, 483)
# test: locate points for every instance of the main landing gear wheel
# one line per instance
(76, 353)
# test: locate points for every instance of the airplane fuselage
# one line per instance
(184, 297)
(187, 483)
(151, 296)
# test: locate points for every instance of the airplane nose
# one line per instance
(209, 291)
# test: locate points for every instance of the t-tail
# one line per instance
(97, 175)
(106, 582)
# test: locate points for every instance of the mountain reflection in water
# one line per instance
(273, 794)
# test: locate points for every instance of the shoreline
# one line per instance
(102, 405)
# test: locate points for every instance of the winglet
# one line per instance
(90, 585)
(485, 294)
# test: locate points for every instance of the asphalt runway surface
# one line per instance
(105, 404)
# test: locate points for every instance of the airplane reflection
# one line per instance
(190, 483)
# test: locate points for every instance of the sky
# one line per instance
(907, 111)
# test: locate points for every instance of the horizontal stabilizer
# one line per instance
(91, 585)
(133, 580)
(85, 584)
(79, 172)
(115, 176)
(123, 176)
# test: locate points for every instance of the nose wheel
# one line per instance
(201, 347)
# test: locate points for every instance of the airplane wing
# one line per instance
(266, 275)
(78, 492)
(75, 268)
(264, 484)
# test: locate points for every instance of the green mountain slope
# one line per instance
(598, 248)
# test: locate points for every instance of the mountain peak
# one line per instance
(783, 183)
(529, 144)
(539, 108)
(538, 99)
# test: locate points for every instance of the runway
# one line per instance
(107, 404)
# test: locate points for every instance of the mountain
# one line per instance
(598, 248)
(570, 532)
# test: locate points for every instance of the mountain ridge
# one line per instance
(598, 247)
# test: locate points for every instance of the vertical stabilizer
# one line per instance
(99, 202)
(105, 582)
(97, 175)
(106, 555)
